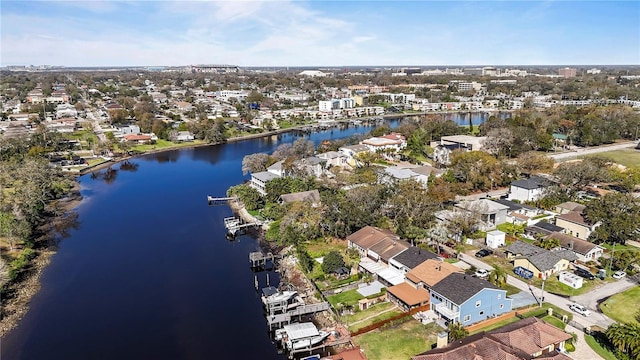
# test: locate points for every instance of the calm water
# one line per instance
(148, 273)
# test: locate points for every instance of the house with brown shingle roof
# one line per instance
(526, 339)
(568, 206)
(365, 238)
(576, 225)
(407, 297)
(429, 273)
(584, 250)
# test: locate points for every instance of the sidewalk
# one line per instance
(583, 351)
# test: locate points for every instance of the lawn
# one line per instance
(599, 349)
(375, 319)
(164, 144)
(347, 298)
(399, 342)
(322, 248)
(554, 321)
(623, 306)
(626, 157)
(373, 310)
(554, 286)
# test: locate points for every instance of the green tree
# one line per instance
(249, 196)
(548, 243)
(304, 259)
(498, 277)
(456, 331)
(618, 215)
(626, 338)
(332, 261)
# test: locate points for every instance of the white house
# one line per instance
(394, 142)
(529, 189)
(442, 149)
(260, 179)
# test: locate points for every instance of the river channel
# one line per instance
(148, 272)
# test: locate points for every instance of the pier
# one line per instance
(220, 200)
(259, 259)
(234, 225)
(278, 320)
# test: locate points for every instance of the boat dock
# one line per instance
(220, 200)
(278, 320)
(234, 224)
(259, 259)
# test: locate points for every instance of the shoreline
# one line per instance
(23, 290)
(112, 162)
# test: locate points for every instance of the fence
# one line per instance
(490, 321)
(379, 324)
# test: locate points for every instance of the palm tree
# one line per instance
(498, 277)
(625, 337)
(456, 331)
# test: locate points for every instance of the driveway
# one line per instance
(583, 350)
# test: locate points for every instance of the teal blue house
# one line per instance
(467, 299)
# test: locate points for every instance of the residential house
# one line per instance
(414, 291)
(368, 236)
(411, 258)
(312, 165)
(333, 158)
(529, 189)
(260, 179)
(466, 299)
(518, 214)
(576, 225)
(585, 251)
(429, 273)
(393, 142)
(569, 206)
(527, 339)
(421, 174)
(351, 152)
(442, 149)
(140, 138)
(184, 106)
(541, 229)
(66, 111)
(312, 197)
(543, 263)
(184, 136)
(490, 212)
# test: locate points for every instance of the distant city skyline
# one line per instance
(319, 33)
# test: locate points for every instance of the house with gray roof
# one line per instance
(410, 258)
(584, 250)
(521, 248)
(311, 196)
(529, 189)
(490, 212)
(260, 179)
(466, 299)
(546, 263)
(542, 228)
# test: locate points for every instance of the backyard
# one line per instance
(398, 342)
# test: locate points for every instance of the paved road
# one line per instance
(593, 150)
(490, 194)
(596, 317)
(593, 297)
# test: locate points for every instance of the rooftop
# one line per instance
(414, 256)
(459, 287)
(431, 272)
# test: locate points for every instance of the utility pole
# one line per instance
(544, 278)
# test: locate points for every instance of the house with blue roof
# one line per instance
(466, 299)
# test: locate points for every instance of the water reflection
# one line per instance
(108, 176)
(129, 166)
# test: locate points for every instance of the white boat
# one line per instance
(300, 336)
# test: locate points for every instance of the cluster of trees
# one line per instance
(29, 186)
(624, 339)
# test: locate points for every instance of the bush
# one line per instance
(332, 261)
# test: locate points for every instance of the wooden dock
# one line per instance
(259, 259)
(278, 320)
(234, 225)
(221, 200)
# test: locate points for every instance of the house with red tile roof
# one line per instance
(526, 339)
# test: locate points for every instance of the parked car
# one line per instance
(585, 273)
(484, 252)
(482, 273)
(580, 309)
(619, 274)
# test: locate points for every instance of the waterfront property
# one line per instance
(260, 179)
(467, 299)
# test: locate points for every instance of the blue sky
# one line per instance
(319, 33)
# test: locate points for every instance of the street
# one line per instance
(593, 150)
